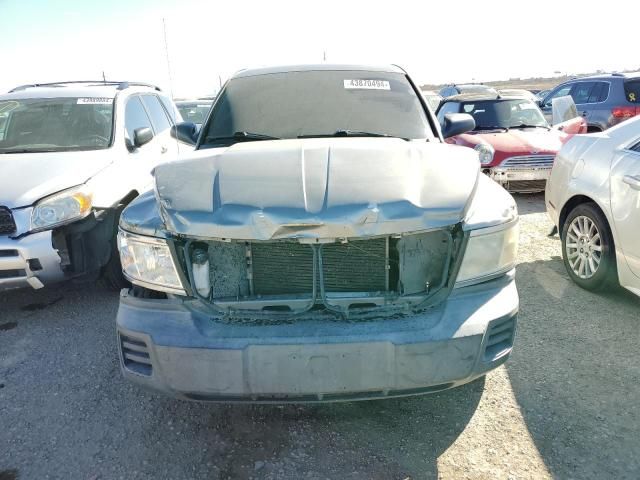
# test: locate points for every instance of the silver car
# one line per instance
(593, 197)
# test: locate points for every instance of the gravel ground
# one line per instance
(564, 406)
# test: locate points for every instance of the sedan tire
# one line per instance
(587, 248)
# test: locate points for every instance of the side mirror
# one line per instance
(142, 136)
(456, 124)
(186, 132)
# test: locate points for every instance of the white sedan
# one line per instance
(593, 198)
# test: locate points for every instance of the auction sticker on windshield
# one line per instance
(367, 84)
(95, 101)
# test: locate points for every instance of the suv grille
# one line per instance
(529, 161)
(7, 224)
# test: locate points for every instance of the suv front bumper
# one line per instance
(28, 261)
(169, 346)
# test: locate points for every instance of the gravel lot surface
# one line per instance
(566, 405)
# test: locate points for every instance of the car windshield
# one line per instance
(317, 103)
(55, 124)
(195, 112)
(491, 114)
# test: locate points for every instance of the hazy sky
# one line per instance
(47, 40)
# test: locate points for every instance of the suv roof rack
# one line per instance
(120, 85)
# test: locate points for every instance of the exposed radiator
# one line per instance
(282, 268)
(357, 266)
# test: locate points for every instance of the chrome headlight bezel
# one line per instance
(485, 153)
(489, 253)
(69, 205)
(138, 270)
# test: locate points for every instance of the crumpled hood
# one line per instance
(27, 177)
(316, 188)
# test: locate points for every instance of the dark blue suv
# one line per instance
(604, 100)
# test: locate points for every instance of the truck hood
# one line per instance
(518, 142)
(313, 189)
(27, 177)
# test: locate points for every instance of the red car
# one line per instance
(515, 143)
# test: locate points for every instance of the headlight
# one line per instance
(147, 261)
(490, 251)
(64, 207)
(485, 152)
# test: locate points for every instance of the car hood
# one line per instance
(27, 177)
(520, 141)
(316, 189)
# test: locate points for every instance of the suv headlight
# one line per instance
(490, 252)
(148, 262)
(485, 152)
(64, 207)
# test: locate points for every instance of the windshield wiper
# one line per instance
(350, 133)
(30, 150)
(241, 136)
(490, 127)
(524, 125)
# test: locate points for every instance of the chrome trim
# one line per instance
(494, 229)
(528, 161)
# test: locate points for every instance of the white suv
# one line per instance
(72, 155)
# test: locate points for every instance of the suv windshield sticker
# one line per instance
(367, 84)
(95, 101)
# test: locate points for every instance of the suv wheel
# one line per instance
(587, 248)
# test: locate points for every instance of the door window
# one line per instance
(156, 111)
(560, 92)
(135, 116)
(599, 92)
(581, 92)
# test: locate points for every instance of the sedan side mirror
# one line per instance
(185, 132)
(142, 136)
(456, 124)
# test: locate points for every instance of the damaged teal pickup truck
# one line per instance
(321, 243)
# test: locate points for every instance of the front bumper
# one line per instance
(28, 261)
(169, 345)
(520, 179)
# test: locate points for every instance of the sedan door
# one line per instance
(625, 203)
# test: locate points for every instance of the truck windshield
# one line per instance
(55, 124)
(315, 104)
(493, 114)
